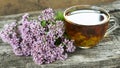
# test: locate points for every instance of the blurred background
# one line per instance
(8, 7)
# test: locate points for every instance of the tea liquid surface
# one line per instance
(86, 17)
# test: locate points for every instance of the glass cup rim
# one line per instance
(91, 7)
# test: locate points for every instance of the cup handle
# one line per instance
(114, 27)
(114, 10)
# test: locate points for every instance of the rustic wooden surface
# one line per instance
(105, 55)
(17, 6)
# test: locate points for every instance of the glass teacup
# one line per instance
(87, 25)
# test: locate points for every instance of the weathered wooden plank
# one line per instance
(17, 6)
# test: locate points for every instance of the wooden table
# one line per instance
(105, 55)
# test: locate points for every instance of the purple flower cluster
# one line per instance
(9, 35)
(44, 43)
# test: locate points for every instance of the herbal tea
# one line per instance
(86, 17)
(86, 26)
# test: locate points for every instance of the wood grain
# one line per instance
(18, 6)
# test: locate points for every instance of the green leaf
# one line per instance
(58, 41)
(66, 36)
(43, 23)
(59, 15)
